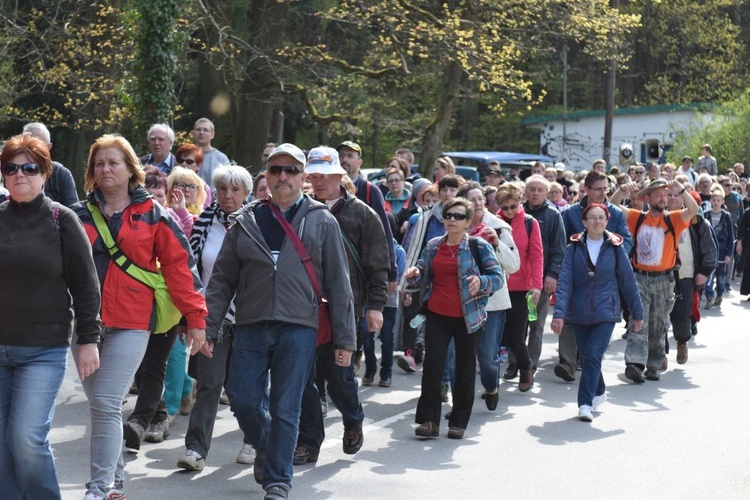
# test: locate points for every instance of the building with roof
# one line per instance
(577, 138)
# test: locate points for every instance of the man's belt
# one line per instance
(653, 273)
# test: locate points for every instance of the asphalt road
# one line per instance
(686, 436)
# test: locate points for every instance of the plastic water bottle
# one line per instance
(531, 306)
(417, 321)
(503, 354)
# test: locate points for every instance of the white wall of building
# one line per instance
(584, 133)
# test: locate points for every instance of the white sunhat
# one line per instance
(324, 160)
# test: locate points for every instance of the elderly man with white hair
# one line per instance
(60, 186)
(160, 141)
(368, 264)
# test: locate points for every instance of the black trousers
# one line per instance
(514, 333)
(150, 407)
(680, 315)
(439, 331)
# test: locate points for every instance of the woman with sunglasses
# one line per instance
(48, 278)
(150, 238)
(190, 156)
(595, 273)
(455, 286)
(528, 279)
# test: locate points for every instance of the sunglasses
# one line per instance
(572, 193)
(189, 161)
(183, 186)
(455, 216)
(276, 170)
(509, 207)
(26, 168)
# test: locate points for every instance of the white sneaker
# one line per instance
(584, 413)
(246, 455)
(598, 401)
(191, 461)
(93, 496)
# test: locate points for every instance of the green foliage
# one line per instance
(158, 42)
(726, 133)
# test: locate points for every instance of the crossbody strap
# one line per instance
(292, 236)
(145, 276)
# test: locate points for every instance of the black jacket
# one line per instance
(553, 236)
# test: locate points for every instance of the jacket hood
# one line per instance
(613, 238)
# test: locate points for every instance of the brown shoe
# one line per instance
(682, 354)
(428, 430)
(526, 379)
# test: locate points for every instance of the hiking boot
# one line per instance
(682, 353)
(652, 375)
(384, 382)
(526, 380)
(368, 379)
(634, 373)
(132, 433)
(303, 456)
(353, 440)
(564, 372)
(428, 430)
(276, 493)
(157, 432)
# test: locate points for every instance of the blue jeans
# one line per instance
(386, 345)
(30, 378)
(489, 350)
(287, 352)
(120, 356)
(719, 278)
(177, 383)
(593, 341)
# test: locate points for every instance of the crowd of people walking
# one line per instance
(183, 280)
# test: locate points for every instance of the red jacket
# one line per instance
(530, 250)
(144, 232)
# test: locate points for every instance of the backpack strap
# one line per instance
(638, 223)
(474, 247)
(529, 224)
(56, 215)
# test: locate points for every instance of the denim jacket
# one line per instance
(489, 271)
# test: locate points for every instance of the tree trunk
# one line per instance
(258, 95)
(432, 142)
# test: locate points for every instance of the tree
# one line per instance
(468, 47)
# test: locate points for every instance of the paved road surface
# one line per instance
(686, 436)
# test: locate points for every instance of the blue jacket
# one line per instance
(489, 272)
(584, 300)
(573, 221)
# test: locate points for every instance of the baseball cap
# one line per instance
(324, 160)
(289, 150)
(686, 157)
(494, 169)
(559, 166)
(351, 145)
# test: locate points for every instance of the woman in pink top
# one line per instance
(528, 240)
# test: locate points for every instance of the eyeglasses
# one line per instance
(183, 186)
(189, 161)
(602, 189)
(596, 219)
(26, 168)
(395, 180)
(455, 216)
(276, 170)
(509, 207)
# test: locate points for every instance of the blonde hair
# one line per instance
(507, 191)
(114, 141)
(180, 174)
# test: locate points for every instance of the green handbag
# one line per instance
(167, 314)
